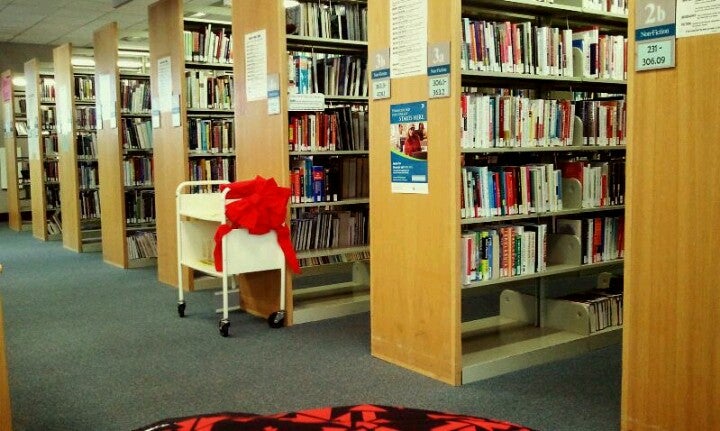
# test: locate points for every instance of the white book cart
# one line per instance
(199, 214)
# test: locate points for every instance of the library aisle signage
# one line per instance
(408, 148)
(697, 17)
(654, 34)
(381, 74)
(439, 70)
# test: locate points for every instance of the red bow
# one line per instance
(260, 208)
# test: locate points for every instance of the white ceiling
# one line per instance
(54, 22)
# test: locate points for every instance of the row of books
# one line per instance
(213, 168)
(602, 238)
(604, 56)
(52, 170)
(314, 229)
(604, 121)
(343, 20)
(89, 204)
(510, 190)
(602, 182)
(492, 120)
(336, 129)
(47, 117)
(516, 48)
(86, 145)
(51, 145)
(523, 48)
(488, 191)
(138, 171)
(88, 175)
(332, 75)
(142, 245)
(333, 259)
(85, 117)
(329, 180)
(604, 308)
(215, 136)
(503, 251)
(85, 88)
(139, 206)
(208, 89)
(208, 45)
(135, 96)
(52, 197)
(612, 6)
(47, 89)
(136, 133)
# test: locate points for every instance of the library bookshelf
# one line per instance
(181, 150)
(423, 304)
(324, 289)
(42, 151)
(124, 156)
(18, 164)
(77, 151)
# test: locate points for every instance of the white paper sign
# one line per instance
(175, 113)
(697, 17)
(255, 66)
(155, 117)
(165, 84)
(408, 37)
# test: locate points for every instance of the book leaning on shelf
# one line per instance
(342, 20)
(503, 251)
(207, 45)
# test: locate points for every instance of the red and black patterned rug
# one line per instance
(360, 417)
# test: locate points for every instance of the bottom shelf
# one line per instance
(142, 262)
(498, 345)
(327, 302)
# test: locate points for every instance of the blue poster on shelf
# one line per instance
(408, 148)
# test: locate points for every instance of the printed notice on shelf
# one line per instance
(155, 118)
(255, 66)
(439, 70)
(165, 84)
(273, 94)
(408, 38)
(380, 74)
(654, 34)
(697, 17)
(409, 148)
(175, 112)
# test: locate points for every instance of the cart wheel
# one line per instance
(224, 327)
(181, 308)
(277, 319)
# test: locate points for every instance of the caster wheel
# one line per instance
(224, 327)
(277, 319)
(181, 308)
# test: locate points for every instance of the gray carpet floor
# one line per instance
(93, 347)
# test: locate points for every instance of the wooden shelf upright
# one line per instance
(173, 154)
(418, 298)
(670, 341)
(77, 154)
(114, 149)
(40, 115)
(18, 181)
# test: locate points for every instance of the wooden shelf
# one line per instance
(572, 211)
(570, 148)
(14, 183)
(331, 252)
(318, 44)
(329, 204)
(498, 345)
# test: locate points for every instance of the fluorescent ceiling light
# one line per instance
(129, 64)
(291, 3)
(198, 15)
